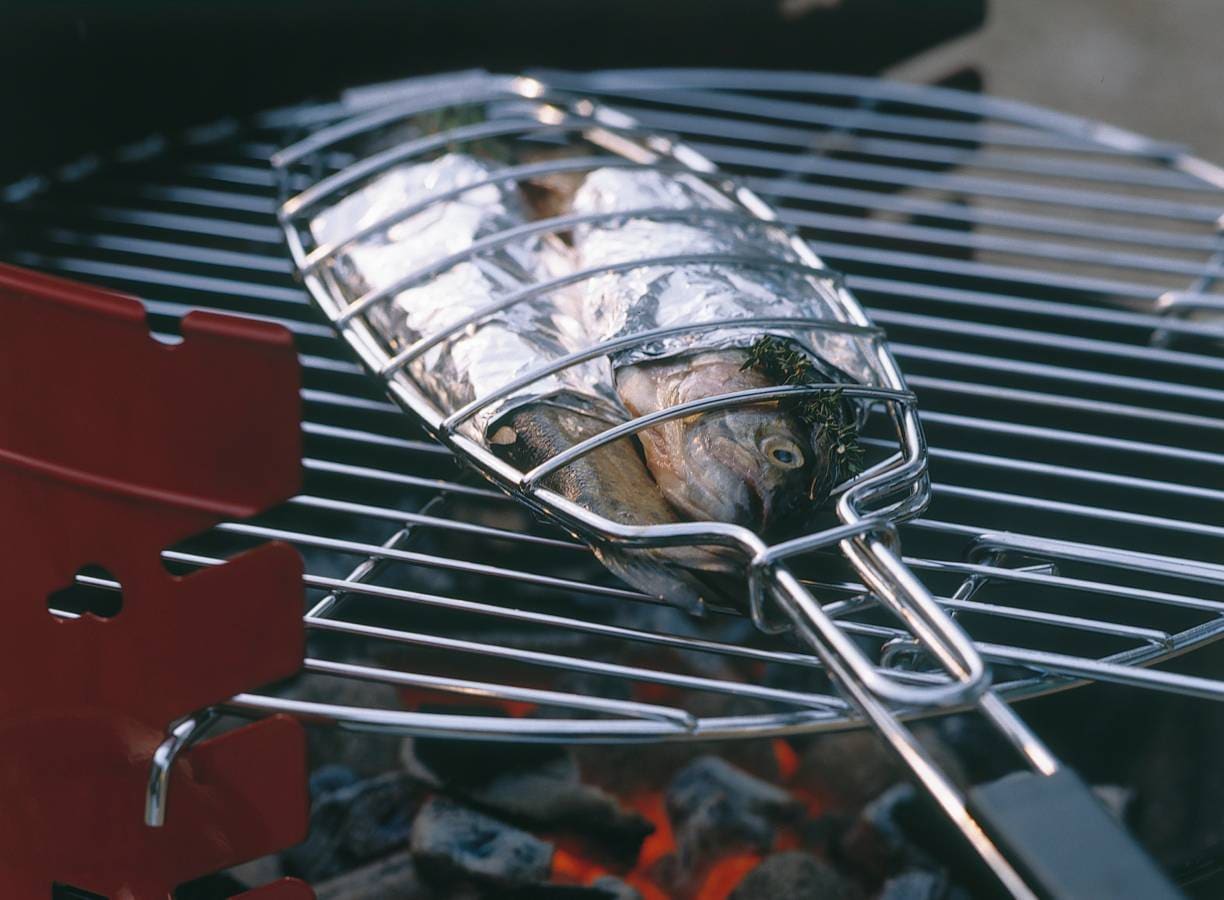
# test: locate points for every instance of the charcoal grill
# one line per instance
(1047, 286)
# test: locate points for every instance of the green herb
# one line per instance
(833, 423)
(452, 117)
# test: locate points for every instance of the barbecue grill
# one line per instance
(1046, 284)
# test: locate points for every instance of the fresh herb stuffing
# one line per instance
(833, 423)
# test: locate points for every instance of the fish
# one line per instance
(747, 465)
(560, 411)
(757, 465)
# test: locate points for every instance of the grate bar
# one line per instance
(848, 141)
(1042, 250)
(898, 176)
(1063, 402)
(163, 250)
(866, 120)
(579, 664)
(986, 271)
(1008, 365)
(440, 485)
(1037, 468)
(179, 222)
(927, 207)
(348, 586)
(981, 301)
(625, 708)
(212, 256)
(361, 548)
(1000, 498)
(403, 517)
(1064, 342)
(162, 278)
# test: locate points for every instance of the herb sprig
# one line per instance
(452, 117)
(834, 426)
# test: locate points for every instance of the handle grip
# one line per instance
(1066, 845)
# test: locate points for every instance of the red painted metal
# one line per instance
(114, 446)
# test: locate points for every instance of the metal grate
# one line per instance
(1044, 283)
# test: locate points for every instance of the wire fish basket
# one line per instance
(868, 505)
(345, 157)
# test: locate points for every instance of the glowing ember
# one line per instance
(572, 868)
(788, 760)
(662, 841)
(726, 875)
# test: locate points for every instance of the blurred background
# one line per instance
(1151, 66)
(79, 76)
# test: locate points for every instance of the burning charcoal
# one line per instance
(903, 829)
(876, 843)
(826, 832)
(353, 821)
(795, 876)
(392, 877)
(855, 767)
(615, 889)
(755, 757)
(921, 884)
(539, 787)
(715, 807)
(453, 843)
(365, 754)
(852, 768)
(631, 768)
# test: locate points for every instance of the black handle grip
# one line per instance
(1065, 844)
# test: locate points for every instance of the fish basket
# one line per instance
(868, 505)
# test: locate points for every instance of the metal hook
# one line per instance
(182, 735)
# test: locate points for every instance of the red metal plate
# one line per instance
(112, 447)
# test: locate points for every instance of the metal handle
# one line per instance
(1066, 845)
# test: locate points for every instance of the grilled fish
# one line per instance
(748, 465)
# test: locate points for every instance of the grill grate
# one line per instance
(1043, 282)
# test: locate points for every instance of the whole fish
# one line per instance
(534, 425)
(751, 465)
(755, 464)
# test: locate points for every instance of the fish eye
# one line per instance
(782, 453)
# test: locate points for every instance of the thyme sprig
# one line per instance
(831, 419)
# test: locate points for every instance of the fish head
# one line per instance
(750, 465)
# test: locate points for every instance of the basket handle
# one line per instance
(1053, 829)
